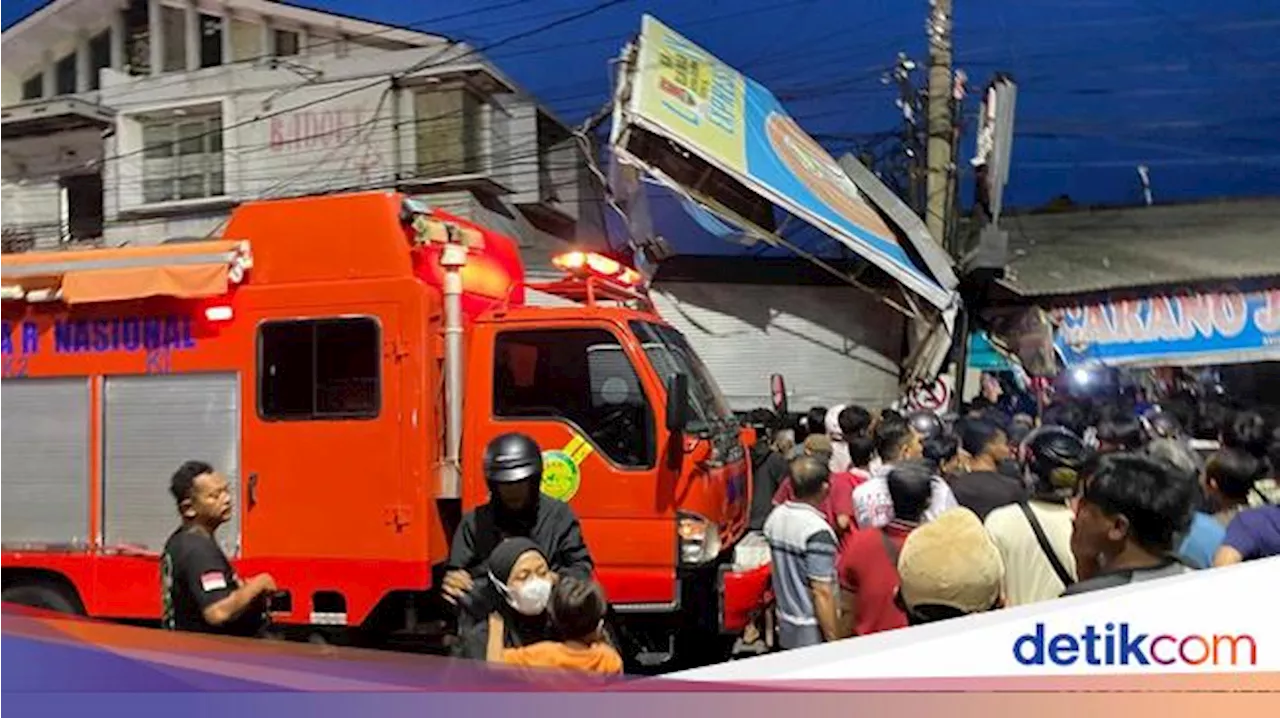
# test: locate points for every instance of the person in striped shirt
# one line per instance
(803, 547)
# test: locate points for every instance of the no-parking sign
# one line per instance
(934, 396)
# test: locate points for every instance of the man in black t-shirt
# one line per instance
(200, 591)
(984, 488)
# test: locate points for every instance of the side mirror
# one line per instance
(677, 402)
(778, 389)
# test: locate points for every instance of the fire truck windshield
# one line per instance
(670, 353)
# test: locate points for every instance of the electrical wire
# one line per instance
(259, 118)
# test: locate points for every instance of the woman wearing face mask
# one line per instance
(522, 579)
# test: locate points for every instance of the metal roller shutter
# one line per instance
(832, 344)
(45, 427)
(152, 424)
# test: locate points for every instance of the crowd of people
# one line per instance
(874, 522)
(879, 521)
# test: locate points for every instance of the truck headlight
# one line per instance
(699, 539)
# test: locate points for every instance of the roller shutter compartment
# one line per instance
(151, 425)
(45, 427)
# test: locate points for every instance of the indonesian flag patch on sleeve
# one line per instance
(213, 581)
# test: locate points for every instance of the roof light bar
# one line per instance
(583, 264)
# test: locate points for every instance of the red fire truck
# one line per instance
(344, 360)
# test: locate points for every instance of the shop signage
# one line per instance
(1177, 329)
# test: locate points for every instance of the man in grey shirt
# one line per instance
(803, 547)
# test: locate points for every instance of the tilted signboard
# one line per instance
(683, 94)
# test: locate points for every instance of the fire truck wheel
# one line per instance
(38, 595)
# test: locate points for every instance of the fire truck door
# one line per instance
(322, 445)
(575, 390)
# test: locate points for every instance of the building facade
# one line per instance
(139, 121)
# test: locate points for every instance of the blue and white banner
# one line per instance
(1185, 329)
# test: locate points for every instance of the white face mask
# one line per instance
(530, 598)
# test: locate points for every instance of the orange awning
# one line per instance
(186, 271)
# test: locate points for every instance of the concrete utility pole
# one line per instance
(940, 122)
(909, 103)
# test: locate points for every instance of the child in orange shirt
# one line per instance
(577, 611)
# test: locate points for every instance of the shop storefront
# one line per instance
(1146, 301)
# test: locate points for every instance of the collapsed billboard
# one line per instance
(753, 153)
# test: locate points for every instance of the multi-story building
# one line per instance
(137, 121)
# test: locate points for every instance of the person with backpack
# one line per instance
(1034, 536)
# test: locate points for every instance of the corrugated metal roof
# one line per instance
(1096, 250)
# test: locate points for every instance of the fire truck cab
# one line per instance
(344, 360)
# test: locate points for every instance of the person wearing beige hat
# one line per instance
(948, 568)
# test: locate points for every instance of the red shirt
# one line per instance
(866, 570)
(839, 501)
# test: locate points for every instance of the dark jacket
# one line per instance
(768, 469)
(554, 528)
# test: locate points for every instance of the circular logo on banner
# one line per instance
(560, 475)
(809, 163)
(934, 396)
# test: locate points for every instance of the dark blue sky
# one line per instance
(1185, 86)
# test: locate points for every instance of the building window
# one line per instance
(182, 158)
(579, 376)
(173, 26)
(286, 43)
(137, 46)
(246, 41)
(210, 40)
(99, 57)
(449, 133)
(83, 195)
(64, 73)
(33, 88)
(319, 369)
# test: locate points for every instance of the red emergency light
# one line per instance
(584, 264)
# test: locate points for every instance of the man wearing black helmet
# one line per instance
(517, 507)
(1034, 537)
(925, 424)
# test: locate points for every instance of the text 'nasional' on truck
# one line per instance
(344, 360)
